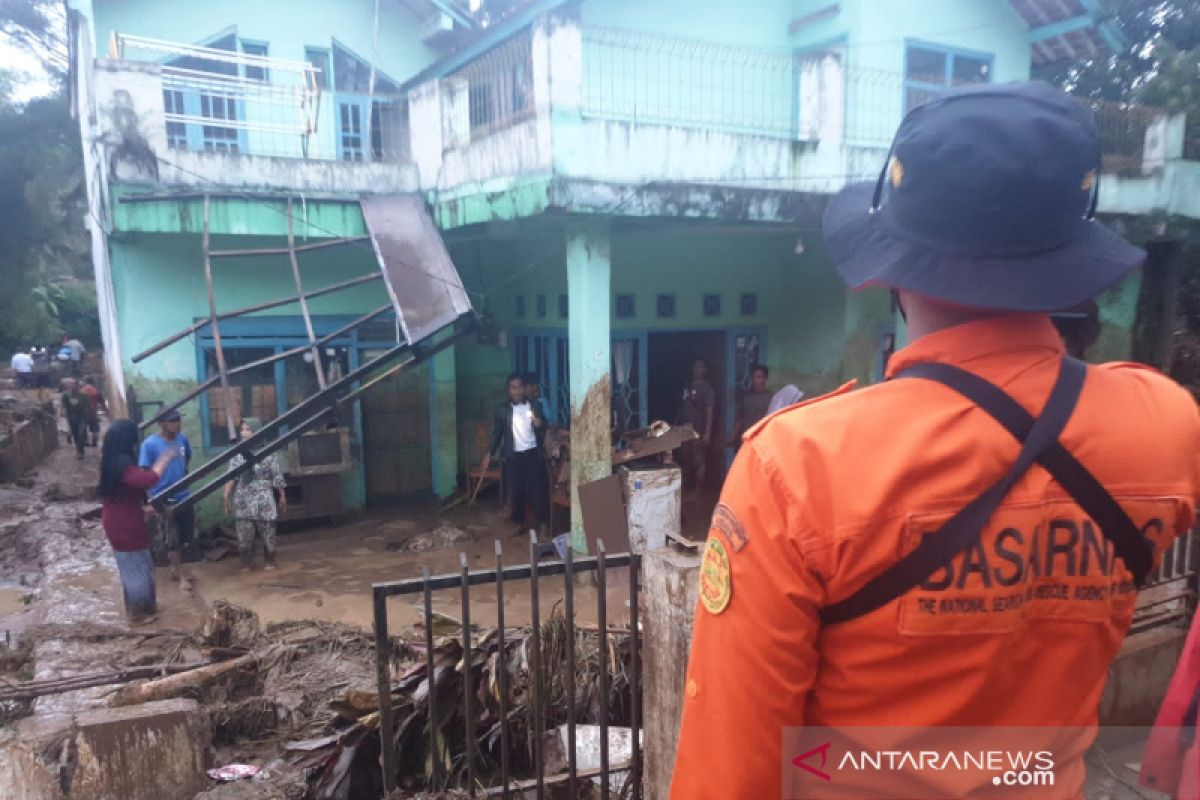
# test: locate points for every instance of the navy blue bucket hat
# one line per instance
(987, 200)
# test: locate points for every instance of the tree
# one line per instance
(45, 267)
(40, 27)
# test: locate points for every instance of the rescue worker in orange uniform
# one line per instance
(937, 549)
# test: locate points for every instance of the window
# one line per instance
(256, 49)
(353, 74)
(319, 60)
(931, 70)
(666, 306)
(626, 306)
(219, 138)
(176, 131)
(749, 305)
(500, 86)
(252, 392)
(712, 305)
(540, 302)
(520, 306)
(389, 131)
(350, 115)
(564, 306)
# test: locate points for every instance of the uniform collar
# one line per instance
(972, 340)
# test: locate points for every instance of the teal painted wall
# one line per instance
(802, 306)
(878, 30)
(158, 282)
(764, 24)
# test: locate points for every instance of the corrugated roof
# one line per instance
(1085, 42)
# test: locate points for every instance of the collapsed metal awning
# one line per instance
(427, 296)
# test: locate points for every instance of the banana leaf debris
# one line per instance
(343, 763)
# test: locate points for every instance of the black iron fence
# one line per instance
(486, 766)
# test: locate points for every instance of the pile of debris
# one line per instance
(432, 755)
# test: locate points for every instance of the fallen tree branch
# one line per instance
(184, 682)
(34, 689)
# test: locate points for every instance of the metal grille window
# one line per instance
(176, 131)
(626, 306)
(749, 305)
(350, 116)
(712, 305)
(389, 131)
(666, 306)
(219, 138)
(931, 71)
(500, 86)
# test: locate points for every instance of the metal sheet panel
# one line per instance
(424, 285)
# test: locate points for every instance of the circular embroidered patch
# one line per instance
(716, 583)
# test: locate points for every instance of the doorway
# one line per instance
(670, 357)
(396, 438)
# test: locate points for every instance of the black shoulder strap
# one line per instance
(1039, 440)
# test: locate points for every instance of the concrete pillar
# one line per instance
(588, 288)
(669, 585)
(443, 421)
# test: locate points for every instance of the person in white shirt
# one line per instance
(22, 365)
(516, 437)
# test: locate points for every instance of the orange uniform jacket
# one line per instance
(824, 496)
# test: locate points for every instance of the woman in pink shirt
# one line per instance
(123, 487)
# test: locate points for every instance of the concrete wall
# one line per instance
(24, 443)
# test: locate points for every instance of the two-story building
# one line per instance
(622, 185)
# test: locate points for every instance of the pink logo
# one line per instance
(823, 751)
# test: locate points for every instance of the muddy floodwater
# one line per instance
(327, 573)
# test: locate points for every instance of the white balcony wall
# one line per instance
(133, 136)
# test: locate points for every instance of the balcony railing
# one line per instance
(224, 101)
(652, 78)
(1132, 137)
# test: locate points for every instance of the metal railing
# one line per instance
(489, 765)
(226, 101)
(1169, 595)
(1131, 136)
(499, 86)
(646, 77)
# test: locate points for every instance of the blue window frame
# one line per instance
(666, 306)
(388, 122)
(712, 305)
(520, 308)
(931, 70)
(749, 304)
(626, 306)
(256, 49)
(177, 138)
(318, 57)
(540, 304)
(270, 390)
(544, 352)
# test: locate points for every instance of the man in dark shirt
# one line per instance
(754, 404)
(516, 438)
(696, 408)
(75, 406)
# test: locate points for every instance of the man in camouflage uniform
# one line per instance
(251, 499)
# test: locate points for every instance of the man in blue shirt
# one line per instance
(175, 527)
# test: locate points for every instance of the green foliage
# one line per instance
(45, 266)
(1159, 67)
